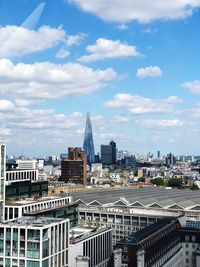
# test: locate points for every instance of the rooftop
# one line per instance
(33, 221)
(31, 200)
(141, 197)
(78, 233)
(139, 236)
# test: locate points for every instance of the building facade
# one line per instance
(88, 143)
(34, 242)
(74, 168)
(108, 154)
(93, 243)
(128, 210)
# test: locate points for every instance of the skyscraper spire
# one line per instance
(88, 144)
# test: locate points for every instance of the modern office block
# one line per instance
(108, 153)
(91, 243)
(27, 164)
(18, 208)
(26, 189)
(34, 242)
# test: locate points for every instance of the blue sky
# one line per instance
(133, 65)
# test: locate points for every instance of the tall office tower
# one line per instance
(108, 153)
(170, 160)
(74, 168)
(2, 177)
(88, 144)
(158, 154)
(114, 151)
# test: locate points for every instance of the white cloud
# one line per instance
(136, 104)
(151, 71)
(19, 41)
(75, 39)
(143, 11)
(28, 102)
(150, 123)
(6, 105)
(193, 86)
(62, 53)
(40, 119)
(104, 48)
(121, 119)
(122, 27)
(47, 80)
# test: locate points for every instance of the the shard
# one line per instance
(88, 144)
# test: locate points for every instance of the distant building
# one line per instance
(88, 144)
(27, 164)
(74, 168)
(108, 154)
(158, 154)
(170, 160)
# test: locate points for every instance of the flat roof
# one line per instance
(33, 221)
(31, 200)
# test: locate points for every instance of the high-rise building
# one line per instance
(74, 168)
(88, 144)
(108, 153)
(170, 160)
(2, 177)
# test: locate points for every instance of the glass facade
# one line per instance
(88, 144)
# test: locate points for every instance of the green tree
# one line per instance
(158, 181)
(175, 182)
(194, 187)
(141, 180)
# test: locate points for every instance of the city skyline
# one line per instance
(136, 70)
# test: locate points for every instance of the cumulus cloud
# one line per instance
(143, 11)
(136, 104)
(75, 39)
(151, 71)
(27, 118)
(193, 86)
(150, 123)
(108, 49)
(19, 41)
(46, 80)
(62, 53)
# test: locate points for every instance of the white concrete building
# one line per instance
(92, 243)
(34, 242)
(15, 209)
(27, 164)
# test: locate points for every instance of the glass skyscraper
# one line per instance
(88, 144)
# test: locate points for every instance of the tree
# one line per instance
(141, 180)
(175, 182)
(158, 181)
(194, 187)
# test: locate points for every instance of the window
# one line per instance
(187, 238)
(193, 238)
